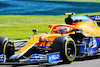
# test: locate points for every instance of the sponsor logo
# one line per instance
(54, 57)
(37, 57)
(97, 17)
(85, 26)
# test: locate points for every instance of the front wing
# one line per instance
(34, 59)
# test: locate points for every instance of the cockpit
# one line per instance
(60, 30)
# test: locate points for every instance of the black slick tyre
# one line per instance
(6, 46)
(67, 48)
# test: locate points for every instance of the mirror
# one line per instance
(35, 31)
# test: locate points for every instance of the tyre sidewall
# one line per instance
(65, 50)
(60, 44)
(3, 43)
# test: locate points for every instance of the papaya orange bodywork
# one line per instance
(89, 29)
(40, 39)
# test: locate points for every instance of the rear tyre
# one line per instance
(67, 48)
(6, 46)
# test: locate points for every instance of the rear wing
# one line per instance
(69, 13)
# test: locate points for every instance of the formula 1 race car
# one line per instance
(78, 38)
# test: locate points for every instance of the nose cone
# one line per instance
(14, 57)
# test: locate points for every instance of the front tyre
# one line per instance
(67, 48)
(6, 46)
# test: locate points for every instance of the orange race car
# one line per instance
(78, 38)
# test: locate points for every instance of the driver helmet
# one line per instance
(63, 30)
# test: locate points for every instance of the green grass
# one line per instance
(74, 0)
(20, 26)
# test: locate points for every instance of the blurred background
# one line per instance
(19, 17)
(47, 7)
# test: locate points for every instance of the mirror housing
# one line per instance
(35, 31)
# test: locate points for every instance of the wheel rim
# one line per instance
(70, 50)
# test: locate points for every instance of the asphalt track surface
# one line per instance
(86, 62)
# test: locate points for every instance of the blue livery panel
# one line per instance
(37, 57)
(54, 57)
(14, 56)
(41, 57)
(2, 57)
(82, 18)
(91, 45)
